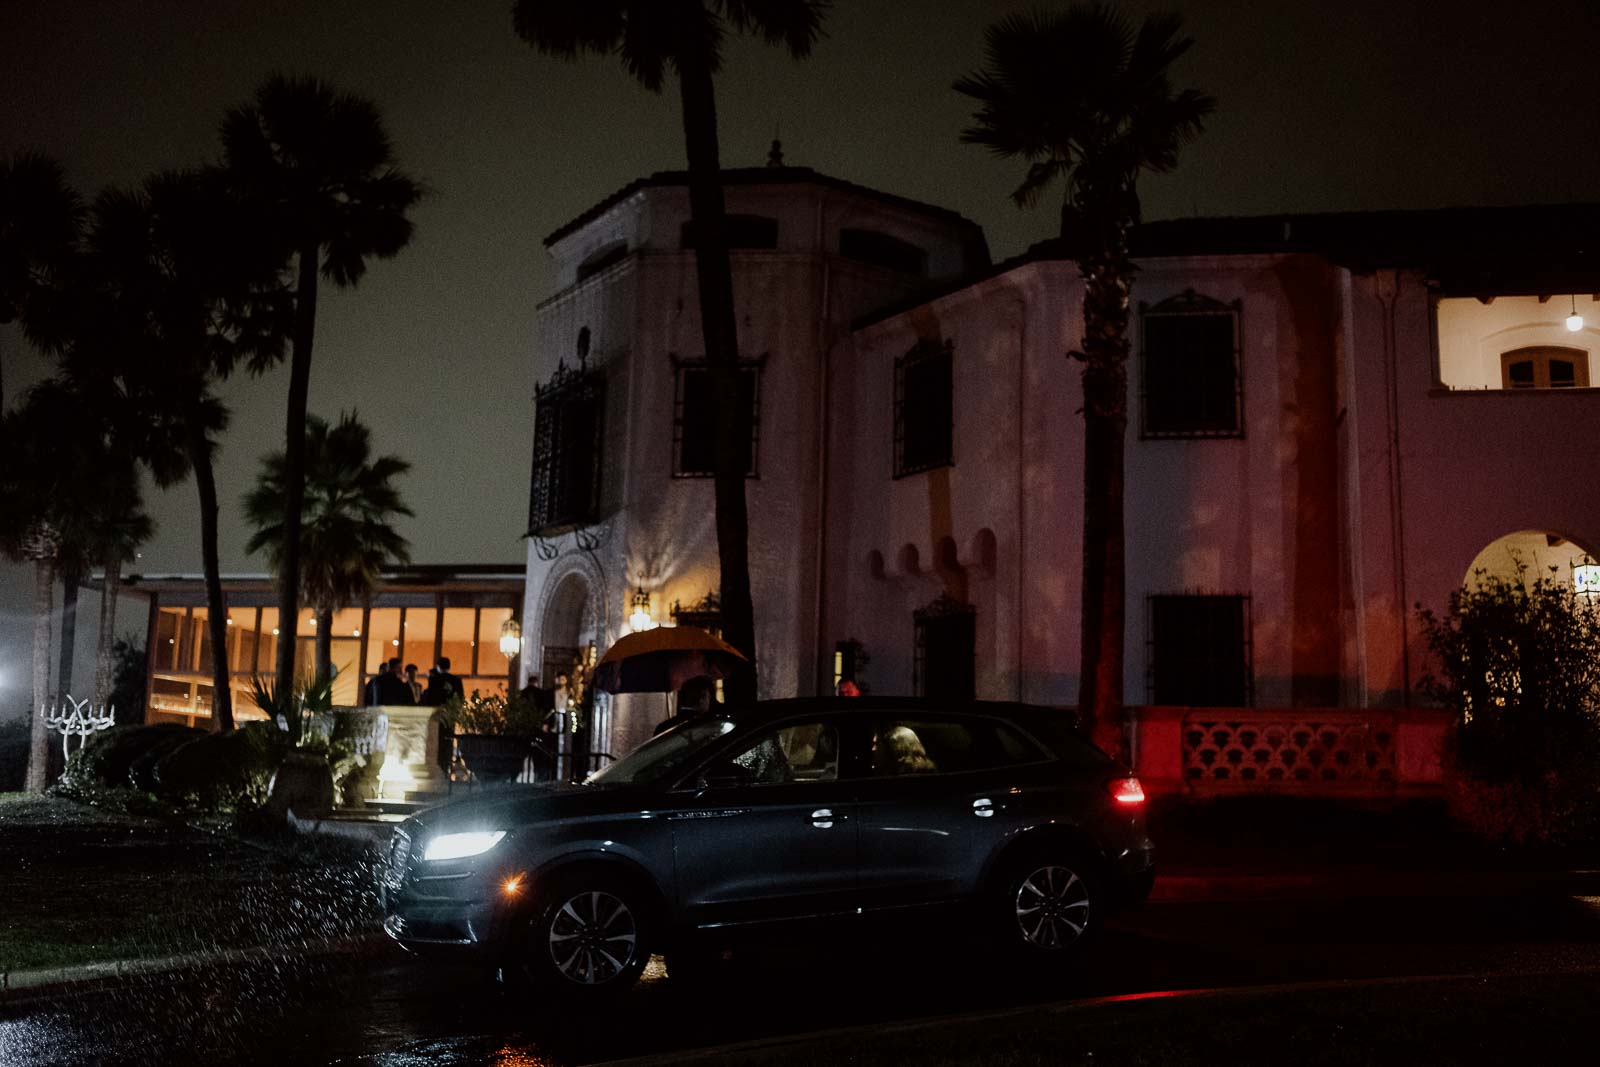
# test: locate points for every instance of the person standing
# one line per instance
(412, 683)
(373, 696)
(450, 681)
(695, 698)
(392, 688)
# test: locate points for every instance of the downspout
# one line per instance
(1022, 496)
(1388, 285)
(824, 358)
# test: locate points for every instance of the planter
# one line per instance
(497, 757)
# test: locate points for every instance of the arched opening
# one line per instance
(1532, 553)
(566, 628)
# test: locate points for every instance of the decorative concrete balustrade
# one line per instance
(1297, 751)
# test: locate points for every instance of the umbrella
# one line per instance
(662, 659)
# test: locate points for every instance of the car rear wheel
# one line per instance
(588, 937)
(1049, 906)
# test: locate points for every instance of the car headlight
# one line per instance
(458, 846)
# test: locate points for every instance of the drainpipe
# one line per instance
(824, 340)
(1388, 288)
(1022, 526)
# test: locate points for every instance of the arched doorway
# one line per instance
(566, 629)
(1534, 553)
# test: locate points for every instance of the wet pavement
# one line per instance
(391, 1011)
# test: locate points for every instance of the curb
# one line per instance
(47, 981)
(714, 1053)
(1367, 883)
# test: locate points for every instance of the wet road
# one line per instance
(392, 1012)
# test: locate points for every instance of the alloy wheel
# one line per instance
(1052, 907)
(593, 938)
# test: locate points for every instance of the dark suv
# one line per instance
(798, 810)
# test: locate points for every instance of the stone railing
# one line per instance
(1303, 751)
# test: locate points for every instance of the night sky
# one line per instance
(1323, 106)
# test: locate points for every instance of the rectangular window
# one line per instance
(883, 250)
(694, 420)
(567, 435)
(416, 642)
(1189, 381)
(924, 413)
(945, 651)
(1200, 651)
(742, 231)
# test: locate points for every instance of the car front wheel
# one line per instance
(587, 938)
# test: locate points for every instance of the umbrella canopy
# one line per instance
(662, 659)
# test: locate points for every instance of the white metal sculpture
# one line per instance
(81, 721)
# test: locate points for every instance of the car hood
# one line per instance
(517, 806)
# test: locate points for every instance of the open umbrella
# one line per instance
(662, 659)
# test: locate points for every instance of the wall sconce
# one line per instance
(510, 638)
(640, 618)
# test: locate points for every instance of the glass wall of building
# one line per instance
(416, 625)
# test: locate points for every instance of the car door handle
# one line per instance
(983, 808)
(824, 818)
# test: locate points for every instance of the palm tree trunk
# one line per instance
(324, 643)
(44, 588)
(1108, 277)
(720, 330)
(294, 462)
(71, 578)
(216, 606)
(106, 637)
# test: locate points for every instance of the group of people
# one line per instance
(394, 684)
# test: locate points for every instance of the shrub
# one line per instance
(108, 757)
(1519, 664)
(493, 715)
(227, 772)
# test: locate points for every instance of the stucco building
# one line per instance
(1331, 419)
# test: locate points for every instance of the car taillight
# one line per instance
(1126, 791)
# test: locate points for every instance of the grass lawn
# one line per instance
(84, 885)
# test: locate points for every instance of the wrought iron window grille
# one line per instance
(1191, 375)
(1200, 650)
(924, 409)
(693, 416)
(705, 613)
(944, 650)
(568, 438)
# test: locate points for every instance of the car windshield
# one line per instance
(661, 756)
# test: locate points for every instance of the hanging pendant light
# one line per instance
(1574, 320)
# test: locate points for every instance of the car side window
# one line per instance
(806, 752)
(931, 746)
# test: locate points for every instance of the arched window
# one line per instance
(1544, 367)
(601, 258)
(883, 250)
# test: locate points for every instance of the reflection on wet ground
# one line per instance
(390, 1011)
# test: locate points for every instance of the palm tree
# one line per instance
(319, 164)
(181, 285)
(124, 528)
(52, 462)
(686, 35)
(1084, 96)
(40, 215)
(346, 538)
